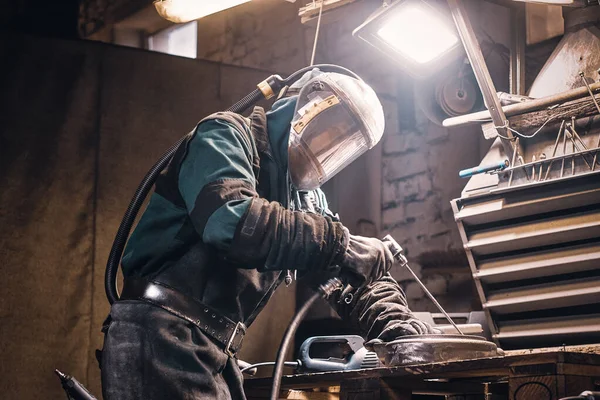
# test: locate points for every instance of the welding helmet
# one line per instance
(337, 119)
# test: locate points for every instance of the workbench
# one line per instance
(541, 374)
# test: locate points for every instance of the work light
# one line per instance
(417, 34)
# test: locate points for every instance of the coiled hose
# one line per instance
(116, 251)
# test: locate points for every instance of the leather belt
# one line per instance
(228, 333)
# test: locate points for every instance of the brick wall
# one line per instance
(419, 163)
(264, 34)
(419, 160)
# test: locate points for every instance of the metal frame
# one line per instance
(517, 50)
(482, 74)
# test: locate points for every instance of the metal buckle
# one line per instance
(239, 327)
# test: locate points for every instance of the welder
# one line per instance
(237, 209)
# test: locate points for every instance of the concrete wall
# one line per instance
(80, 124)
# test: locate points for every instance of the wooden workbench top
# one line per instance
(579, 360)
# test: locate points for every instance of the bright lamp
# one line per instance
(415, 33)
(179, 11)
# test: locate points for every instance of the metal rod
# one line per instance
(482, 74)
(517, 49)
(595, 156)
(577, 136)
(562, 125)
(557, 158)
(587, 85)
(524, 107)
(428, 293)
(572, 152)
(575, 146)
(562, 167)
(396, 250)
(512, 162)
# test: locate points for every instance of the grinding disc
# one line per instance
(426, 349)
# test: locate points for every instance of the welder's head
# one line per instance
(337, 118)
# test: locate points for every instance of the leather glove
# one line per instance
(411, 326)
(380, 310)
(365, 260)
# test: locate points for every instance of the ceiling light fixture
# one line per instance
(180, 11)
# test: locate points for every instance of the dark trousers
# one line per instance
(152, 354)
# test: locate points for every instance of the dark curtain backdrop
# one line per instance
(80, 124)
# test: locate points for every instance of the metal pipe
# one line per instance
(564, 154)
(595, 156)
(562, 125)
(482, 74)
(575, 146)
(517, 49)
(525, 107)
(587, 85)
(512, 162)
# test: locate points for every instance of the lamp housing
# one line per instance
(419, 35)
(181, 11)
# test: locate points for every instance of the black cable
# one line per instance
(285, 343)
(325, 291)
(116, 251)
(249, 368)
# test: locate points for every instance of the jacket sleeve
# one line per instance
(217, 183)
(380, 310)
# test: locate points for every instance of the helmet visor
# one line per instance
(328, 131)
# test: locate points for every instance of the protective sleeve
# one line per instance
(218, 186)
(380, 310)
(270, 237)
(216, 180)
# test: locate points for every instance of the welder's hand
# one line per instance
(365, 260)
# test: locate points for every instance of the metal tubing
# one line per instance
(525, 107)
(512, 162)
(582, 75)
(573, 153)
(575, 146)
(595, 156)
(562, 167)
(517, 49)
(482, 74)
(557, 158)
(562, 125)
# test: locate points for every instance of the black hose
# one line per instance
(116, 251)
(285, 343)
(322, 67)
(325, 291)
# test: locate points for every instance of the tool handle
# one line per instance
(469, 172)
(319, 364)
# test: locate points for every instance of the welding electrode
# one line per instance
(397, 252)
(74, 389)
